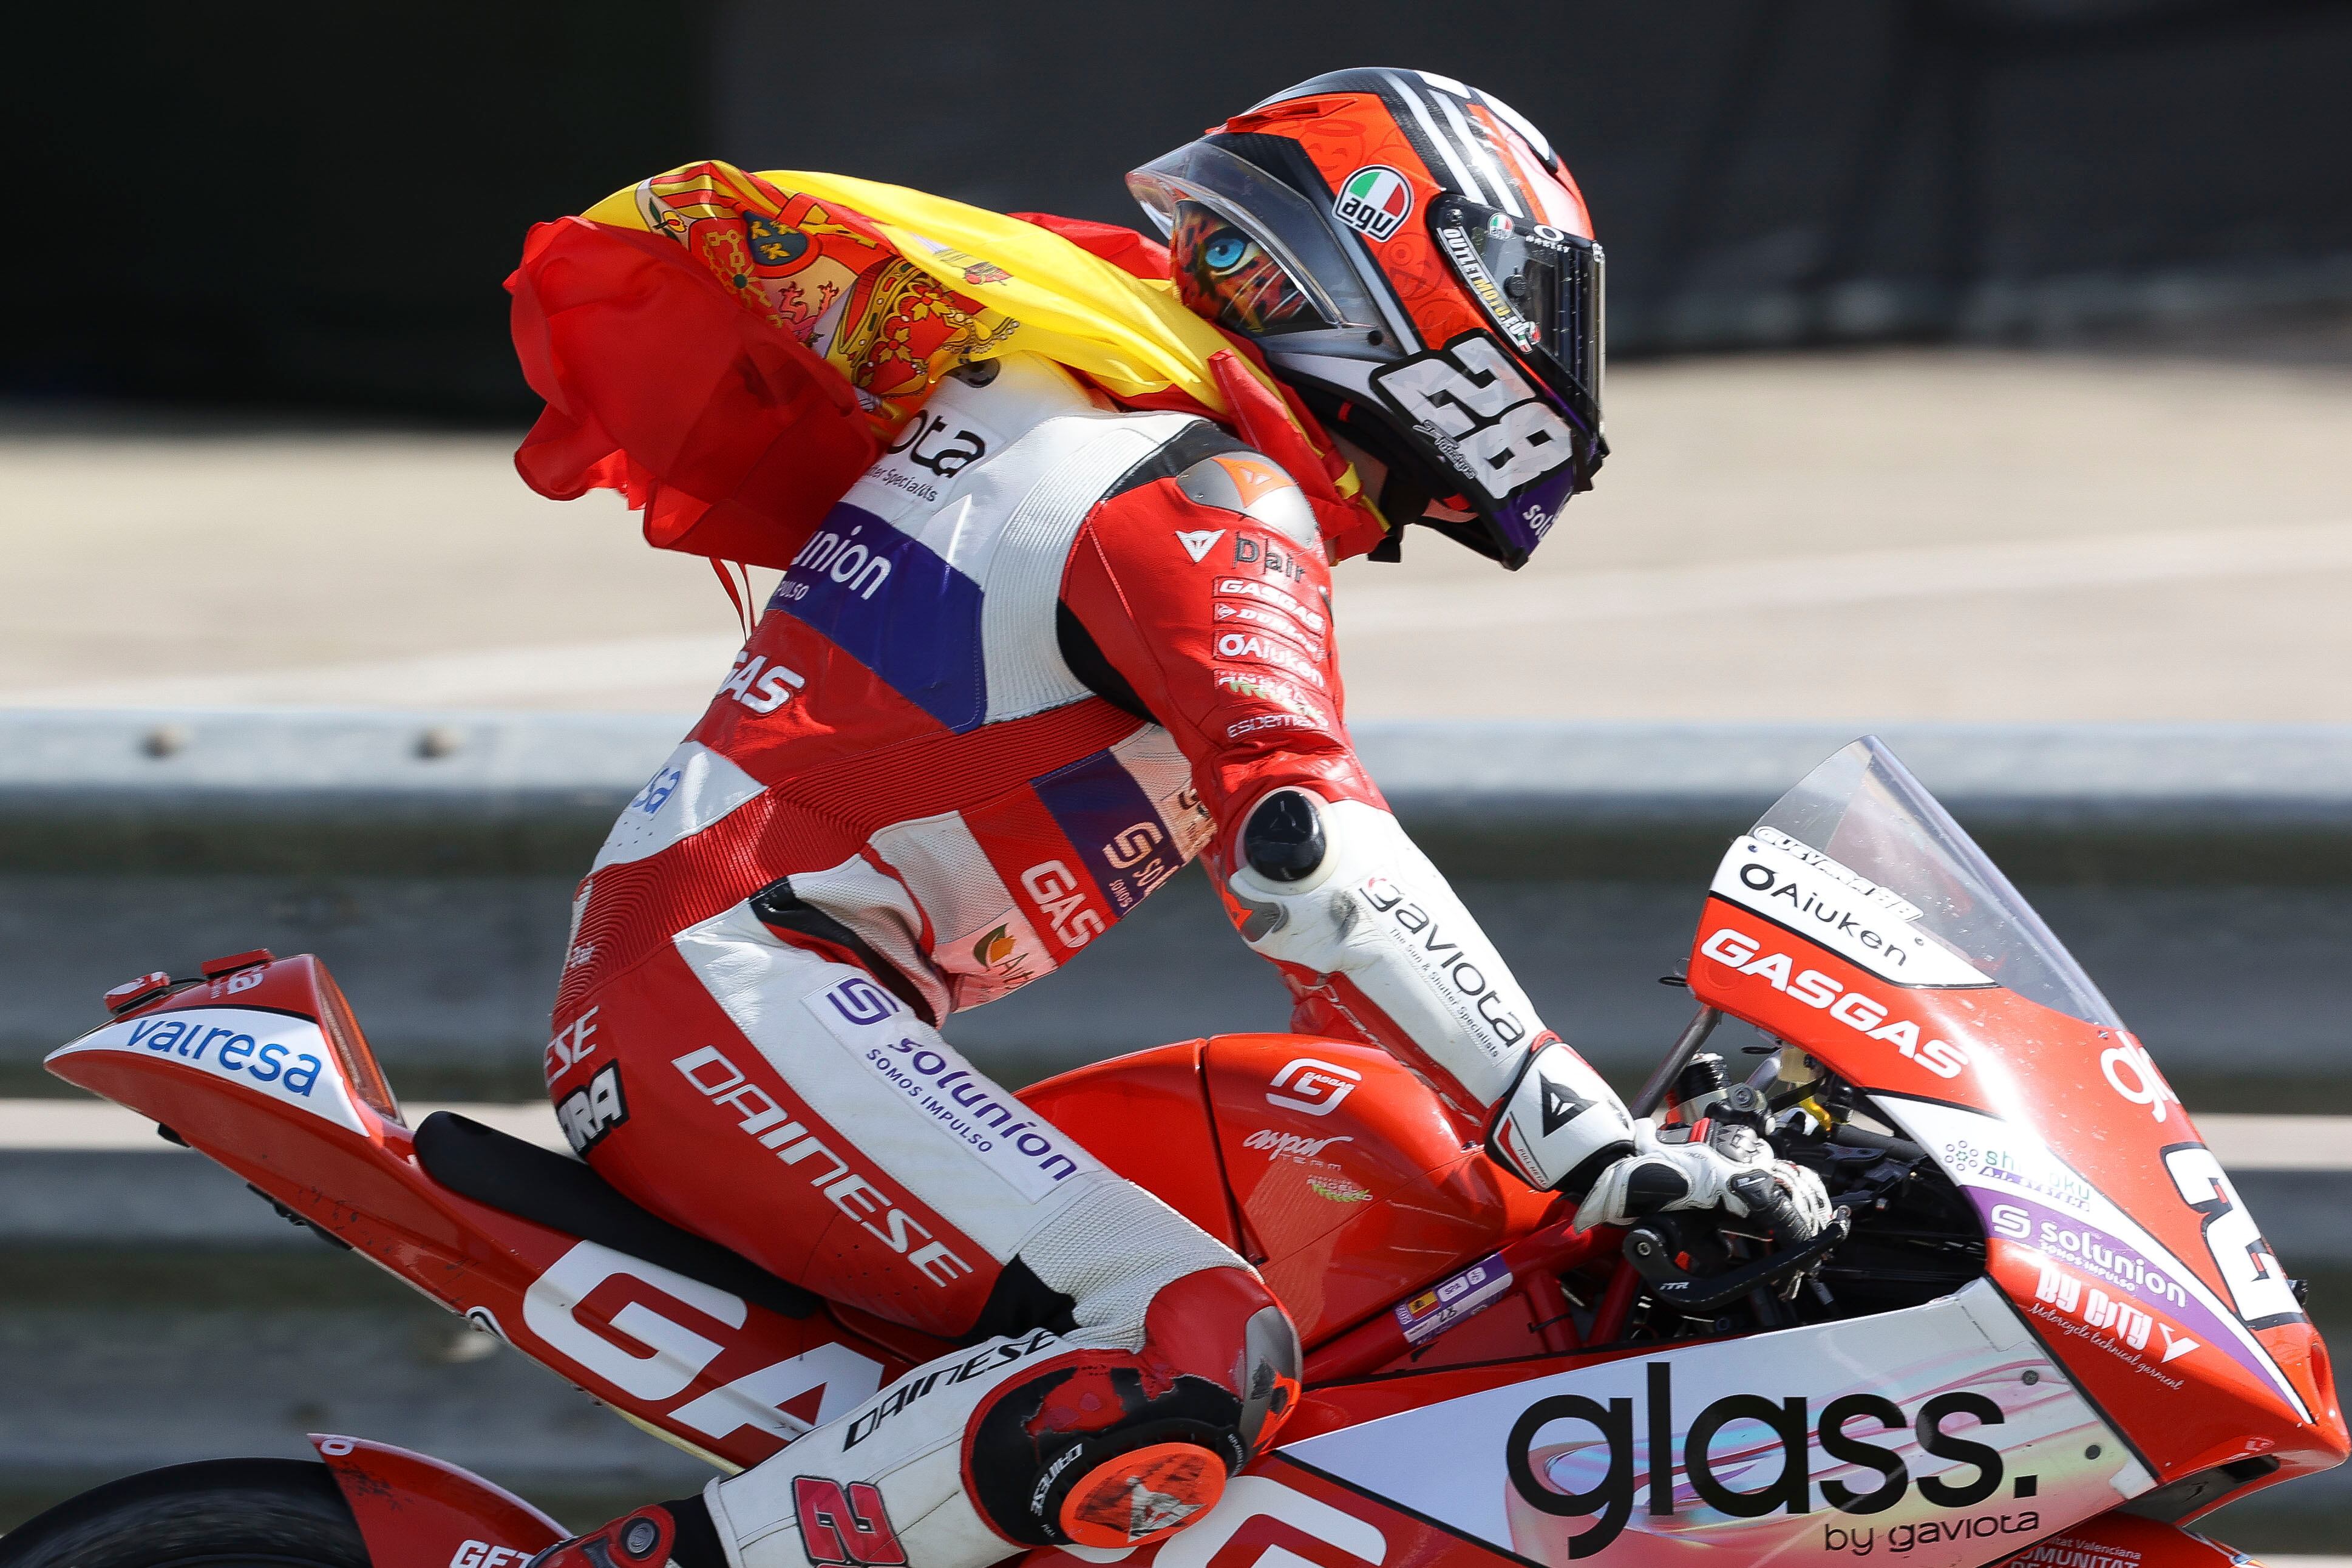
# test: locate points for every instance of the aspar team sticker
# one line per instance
(1374, 200)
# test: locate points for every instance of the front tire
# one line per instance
(223, 1513)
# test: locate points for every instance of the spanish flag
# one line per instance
(731, 350)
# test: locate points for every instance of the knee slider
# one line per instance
(1112, 1448)
(1282, 839)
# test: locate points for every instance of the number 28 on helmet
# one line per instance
(1416, 263)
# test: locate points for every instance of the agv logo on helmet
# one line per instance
(1375, 202)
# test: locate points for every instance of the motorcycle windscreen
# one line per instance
(1856, 920)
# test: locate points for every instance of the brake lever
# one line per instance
(1649, 1252)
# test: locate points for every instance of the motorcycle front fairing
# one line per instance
(1857, 922)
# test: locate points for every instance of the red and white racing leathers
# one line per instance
(1041, 655)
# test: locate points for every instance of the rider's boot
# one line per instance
(1031, 1440)
(1019, 1441)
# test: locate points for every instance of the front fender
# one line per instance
(415, 1511)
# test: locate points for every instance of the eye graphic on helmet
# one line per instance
(1221, 272)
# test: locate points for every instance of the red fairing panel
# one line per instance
(2110, 1225)
(1338, 1172)
(1329, 1164)
(415, 1511)
(1147, 1117)
(1352, 1180)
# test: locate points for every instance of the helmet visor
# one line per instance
(1540, 286)
(1289, 231)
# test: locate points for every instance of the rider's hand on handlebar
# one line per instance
(1732, 1167)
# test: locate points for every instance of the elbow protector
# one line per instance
(1283, 840)
(1337, 888)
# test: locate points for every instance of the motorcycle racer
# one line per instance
(1053, 645)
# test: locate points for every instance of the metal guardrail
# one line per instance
(479, 792)
(2202, 873)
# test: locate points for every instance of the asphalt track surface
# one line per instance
(1894, 534)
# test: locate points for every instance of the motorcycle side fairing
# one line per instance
(264, 1070)
(1858, 922)
(1360, 1198)
(1328, 1165)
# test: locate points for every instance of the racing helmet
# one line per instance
(1413, 261)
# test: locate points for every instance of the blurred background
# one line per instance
(1981, 373)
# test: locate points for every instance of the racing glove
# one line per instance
(1731, 1167)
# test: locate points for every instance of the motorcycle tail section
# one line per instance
(263, 1070)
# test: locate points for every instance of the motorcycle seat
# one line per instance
(564, 1195)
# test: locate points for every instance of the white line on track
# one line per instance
(608, 669)
(457, 680)
(94, 1125)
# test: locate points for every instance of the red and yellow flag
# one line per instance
(730, 351)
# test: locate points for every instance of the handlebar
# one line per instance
(1651, 1254)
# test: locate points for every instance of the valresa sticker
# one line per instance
(1375, 200)
(276, 1055)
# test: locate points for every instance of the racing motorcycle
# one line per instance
(2042, 1325)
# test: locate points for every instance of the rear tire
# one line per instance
(223, 1513)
